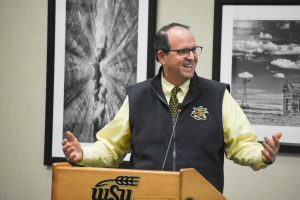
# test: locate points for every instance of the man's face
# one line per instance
(178, 68)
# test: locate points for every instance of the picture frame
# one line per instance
(130, 32)
(256, 52)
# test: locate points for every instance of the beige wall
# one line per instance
(199, 15)
(23, 37)
(23, 52)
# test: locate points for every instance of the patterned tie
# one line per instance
(174, 101)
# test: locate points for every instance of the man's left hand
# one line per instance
(271, 148)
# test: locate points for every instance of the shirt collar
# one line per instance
(167, 86)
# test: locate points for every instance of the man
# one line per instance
(164, 136)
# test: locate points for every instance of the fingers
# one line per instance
(266, 157)
(276, 137)
(70, 136)
(71, 153)
(68, 149)
(268, 153)
(71, 148)
(75, 157)
(271, 148)
(269, 144)
(66, 143)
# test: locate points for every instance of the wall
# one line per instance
(23, 38)
(23, 53)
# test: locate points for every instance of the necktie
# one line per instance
(173, 103)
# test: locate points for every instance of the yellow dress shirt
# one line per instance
(113, 141)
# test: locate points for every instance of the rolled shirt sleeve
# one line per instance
(241, 144)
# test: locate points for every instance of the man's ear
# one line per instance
(161, 56)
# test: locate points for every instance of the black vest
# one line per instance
(199, 134)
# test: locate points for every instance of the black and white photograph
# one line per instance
(259, 56)
(100, 62)
(100, 48)
(266, 70)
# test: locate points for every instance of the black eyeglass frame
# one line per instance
(186, 51)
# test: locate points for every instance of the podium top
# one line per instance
(69, 182)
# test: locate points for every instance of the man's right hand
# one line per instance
(71, 148)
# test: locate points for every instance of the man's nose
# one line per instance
(190, 55)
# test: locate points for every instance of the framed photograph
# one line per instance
(96, 49)
(257, 51)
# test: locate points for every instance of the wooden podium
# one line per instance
(81, 183)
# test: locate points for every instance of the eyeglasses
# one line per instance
(197, 50)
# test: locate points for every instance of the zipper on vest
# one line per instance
(172, 138)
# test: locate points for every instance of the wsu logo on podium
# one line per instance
(115, 189)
